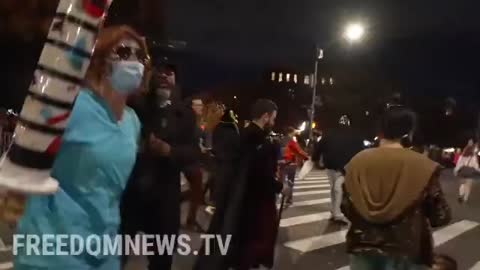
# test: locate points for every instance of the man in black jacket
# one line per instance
(151, 201)
(250, 214)
(337, 147)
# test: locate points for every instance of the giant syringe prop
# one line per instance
(65, 58)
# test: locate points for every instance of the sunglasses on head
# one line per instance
(126, 53)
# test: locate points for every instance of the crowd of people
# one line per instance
(130, 137)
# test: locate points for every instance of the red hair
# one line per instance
(108, 38)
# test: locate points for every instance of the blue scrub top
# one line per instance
(93, 166)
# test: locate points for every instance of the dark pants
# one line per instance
(258, 247)
(155, 210)
(290, 172)
(194, 177)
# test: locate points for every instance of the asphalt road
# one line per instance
(308, 241)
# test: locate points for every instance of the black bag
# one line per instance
(467, 172)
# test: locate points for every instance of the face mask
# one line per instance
(126, 76)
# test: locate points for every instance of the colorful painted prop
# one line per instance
(25, 167)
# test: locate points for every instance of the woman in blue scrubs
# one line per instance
(95, 160)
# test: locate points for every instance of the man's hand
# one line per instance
(159, 146)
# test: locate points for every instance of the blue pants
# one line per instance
(378, 262)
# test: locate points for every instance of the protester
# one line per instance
(226, 151)
(96, 157)
(213, 118)
(193, 172)
(250, 213)
(226, 155)
(259, 220)
(337, 147)
(292, 153)
(467, 169)
(151, 202)
(394, 231)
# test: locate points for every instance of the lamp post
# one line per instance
(318, 56)
(354, 32)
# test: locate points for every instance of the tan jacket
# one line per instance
(393, 198)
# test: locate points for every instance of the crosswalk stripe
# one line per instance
(312, 182)
(312, 186)
(313, 192)
(446, 234)
(476, 266)
(5, 266)
(318, 242)
(287, 222)
(311, 202)
(312, 178)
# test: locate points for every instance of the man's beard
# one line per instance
(162, 96)
(268, 128)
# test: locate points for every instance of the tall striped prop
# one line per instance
(63, 64)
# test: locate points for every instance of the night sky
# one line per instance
(426, 44)
(427, 50)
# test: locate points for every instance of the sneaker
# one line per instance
(461, 199)
(340, 220)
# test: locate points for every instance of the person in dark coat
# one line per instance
(151, 201)
(250, 213)
(226, 152)
(194, 172)
(337, 147)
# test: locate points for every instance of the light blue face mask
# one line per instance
(127, 76)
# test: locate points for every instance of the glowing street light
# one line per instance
(354, 32)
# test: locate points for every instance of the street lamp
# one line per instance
(318, 56)
(354, 32)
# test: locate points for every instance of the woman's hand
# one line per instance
(159, 146)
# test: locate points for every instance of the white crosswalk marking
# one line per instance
(313, 192)
(287, 222)
(476, 266)
(311, 202)
(311, 182)
(446, 234)
(312, 186)
(313, 178)
(318, 242)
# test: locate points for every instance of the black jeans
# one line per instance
(290, 172)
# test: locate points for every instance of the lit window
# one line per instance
(273, 76)
(295, 79)
(288, 77)
(280, 78)
(306, 80)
